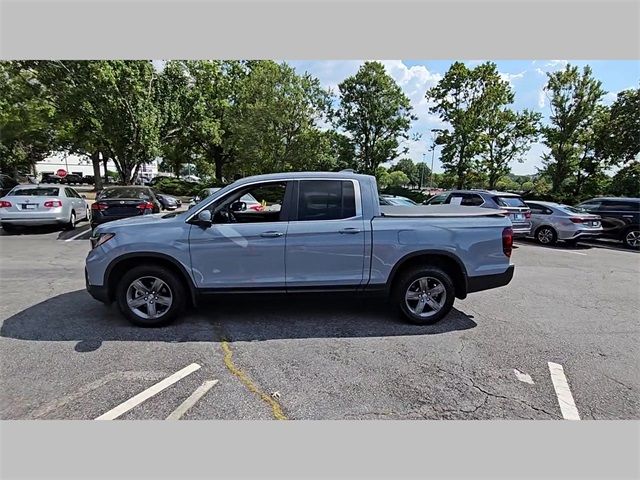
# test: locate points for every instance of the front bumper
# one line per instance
(486, 282)
(100, 293)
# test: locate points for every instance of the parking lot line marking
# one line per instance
(561, 386)
(148, 393)
(191, 401)
(76, 236)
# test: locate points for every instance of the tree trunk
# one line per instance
(95, 160)
(105, 159)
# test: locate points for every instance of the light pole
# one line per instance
(433, 153)
(422, 173)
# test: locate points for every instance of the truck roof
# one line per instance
(299, 175)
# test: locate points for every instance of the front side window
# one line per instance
(326, 200)
(255, 204)
(620, 206)
(438, 199)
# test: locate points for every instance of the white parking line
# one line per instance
(76, 236)
(561, 386)
(191, 401)
(148, 393)
(550, 249)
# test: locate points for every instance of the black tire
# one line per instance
(629, 235)
(546, 235)
(73, 220)
(172, 281)
(407, 279)
(8, 228)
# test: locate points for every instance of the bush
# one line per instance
(180, 188)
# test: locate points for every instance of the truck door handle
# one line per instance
(627, 216)
(350, 230)
(271, 234)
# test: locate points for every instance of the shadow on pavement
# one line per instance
(75, 316)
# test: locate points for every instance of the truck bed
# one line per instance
(438, 211)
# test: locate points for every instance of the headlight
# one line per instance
(101, 238)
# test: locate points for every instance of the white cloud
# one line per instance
(510, 77)
(542, 97)
(539, 71)
(557, 63)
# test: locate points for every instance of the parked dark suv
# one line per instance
(519, 212)
(620, 217)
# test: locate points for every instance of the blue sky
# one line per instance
(527, 78)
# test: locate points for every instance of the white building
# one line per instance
(82, 165)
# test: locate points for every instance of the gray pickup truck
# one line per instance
(311, 232)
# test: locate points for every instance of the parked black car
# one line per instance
(6, 184)
(73, 179)
(114, 203)
(50, 178)
(620, 217)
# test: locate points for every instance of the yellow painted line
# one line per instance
(278, 414)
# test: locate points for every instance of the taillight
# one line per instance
(507, 241)
(146, 206)
(52, 204)
(577, 220)
(527, 214)
(99, 206)
(5, 204)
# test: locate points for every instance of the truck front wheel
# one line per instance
(150, 296)
(424, 294)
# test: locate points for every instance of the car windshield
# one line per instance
(505, 201)
(125, 193)
(248, 198)
(401, 201)
(36, 192)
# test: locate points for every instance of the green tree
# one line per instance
(573, 99)
(383, 178)
(507, 136)
(463, 99)
(619, 141)
(27, 133)
(398, 179)
(409, 168)
(376, 114)
(627, 181)
(275, 126)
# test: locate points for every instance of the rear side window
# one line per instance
(509, 201)
(326, 200)
(620, 206)
(35, 192)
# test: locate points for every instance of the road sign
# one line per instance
(61, 172)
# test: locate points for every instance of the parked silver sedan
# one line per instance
(32, 205)
(552, 221)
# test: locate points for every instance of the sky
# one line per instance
(527, 78)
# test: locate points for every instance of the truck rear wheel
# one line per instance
(424, 294)
(150, 296)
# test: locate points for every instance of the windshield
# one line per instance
(401, 201)
(35, 192)
(125, 193)
(510, 201)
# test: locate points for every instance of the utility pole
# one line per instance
(422, 172)
(433, 153)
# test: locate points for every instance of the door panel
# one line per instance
(238, 255)
(327, 252)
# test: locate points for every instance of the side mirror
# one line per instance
(238, 206)
(204, 218)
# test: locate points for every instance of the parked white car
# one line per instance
(33, 205)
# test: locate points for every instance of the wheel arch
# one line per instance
(127, 261)
(449, 262)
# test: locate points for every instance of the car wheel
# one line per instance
(72, 221)
(424, 295)
(546, 236)
(632, 238)
(150, 296)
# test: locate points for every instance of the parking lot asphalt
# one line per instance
(562, 337)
